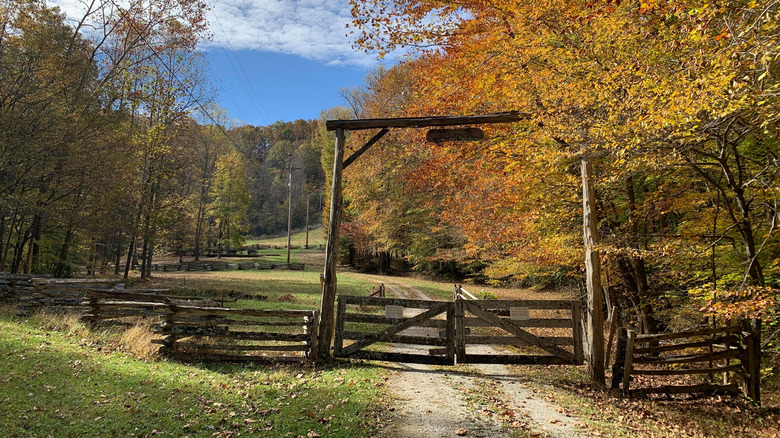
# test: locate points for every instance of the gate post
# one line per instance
(451, 333)
(460, 329)
(332, 249)
(579, 340)
(341, 310)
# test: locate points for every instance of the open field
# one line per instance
(316, 237)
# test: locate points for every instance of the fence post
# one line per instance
(338, 341)
(576, 321)
(451, 335)
(620, 351)
(752, 365)
(629, 362)
(460, 329)
(169, 343)
(613, 322)
(312, 327)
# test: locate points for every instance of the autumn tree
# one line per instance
(672, 101)
(230, 200)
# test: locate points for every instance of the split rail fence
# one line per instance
(222, 266)
(726, 353)
(224, 334)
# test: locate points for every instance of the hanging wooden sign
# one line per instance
(454, 134)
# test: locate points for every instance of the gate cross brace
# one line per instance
(365, 147)
(393, 329)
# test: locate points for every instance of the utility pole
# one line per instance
(307, 221)
(289, 213)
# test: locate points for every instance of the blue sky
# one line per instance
(266, 87)
(282, 59)
(276, 60)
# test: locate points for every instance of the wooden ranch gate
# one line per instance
(443, 332)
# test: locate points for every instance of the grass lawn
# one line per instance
(283, 289)
(316, 237)
(62, 379)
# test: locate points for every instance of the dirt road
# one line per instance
(474, 401)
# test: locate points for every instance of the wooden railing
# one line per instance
(722, 352)
(64, 295)
(221, 266)
(223, 334)
(118, 304)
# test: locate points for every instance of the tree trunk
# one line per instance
(130, 255)
(118, 255)
(638, 269)
(59, 272)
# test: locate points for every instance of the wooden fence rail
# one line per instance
(709, 352)
(222, 266)
(117, 304)
(224, 334)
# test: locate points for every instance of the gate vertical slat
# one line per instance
(460, 329)
(576, 316)
(341, 310)
(451, 333)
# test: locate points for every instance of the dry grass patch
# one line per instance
(137, 340)
(67, 323)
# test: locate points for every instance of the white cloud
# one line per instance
(312, 29)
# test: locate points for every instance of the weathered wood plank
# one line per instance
(511, 340)
(401, 357)
(379, 301)
(365, 147)
(380, 319)
(682, 346)
(398, 339)
(235, 347)
(250, 336)
(532, 304)
(245, 312)
(341, 315)
(692, 358)
(534, 322)
(508, 359)
(422, 122)
(688, 333)
(198, 357)
(460, 329)
(687, 371)
(329, 284)
(731, 388)
(629, 361)
(235, 322)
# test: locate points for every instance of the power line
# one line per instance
(181, 84)
(241, 66)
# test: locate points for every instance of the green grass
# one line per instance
(316, 237)
(283, 289)
(75, 382)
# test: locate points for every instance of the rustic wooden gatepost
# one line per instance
(327, 312)
(595, 312)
